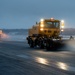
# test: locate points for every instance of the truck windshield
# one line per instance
(52, 25)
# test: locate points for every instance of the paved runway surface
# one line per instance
(17, 58)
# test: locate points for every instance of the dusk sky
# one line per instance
(22, 14)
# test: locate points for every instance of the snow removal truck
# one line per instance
(45, 34)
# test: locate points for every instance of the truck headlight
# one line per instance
(41, 25)
(62, 26)
(41, 29)
(62, 30)
(42, 20)
(62, 23)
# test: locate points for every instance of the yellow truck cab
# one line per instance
(43, 33)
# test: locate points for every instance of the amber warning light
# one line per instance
(52, 19)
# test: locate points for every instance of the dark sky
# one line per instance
(25, 13)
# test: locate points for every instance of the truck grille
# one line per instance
(47, 31)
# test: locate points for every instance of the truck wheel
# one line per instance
(49, 46)
(31, 44)
(41, 45)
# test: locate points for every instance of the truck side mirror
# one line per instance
(36, 22)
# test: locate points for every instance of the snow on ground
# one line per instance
(22, 38)
(13, 36)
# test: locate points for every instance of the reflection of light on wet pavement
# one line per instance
(42, 61)
(65, 66)
(62, 65)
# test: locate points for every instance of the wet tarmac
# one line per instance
(17, 58)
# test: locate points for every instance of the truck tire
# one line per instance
(31, 44)
(41, 46)
(50, 45)
(49, 48)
